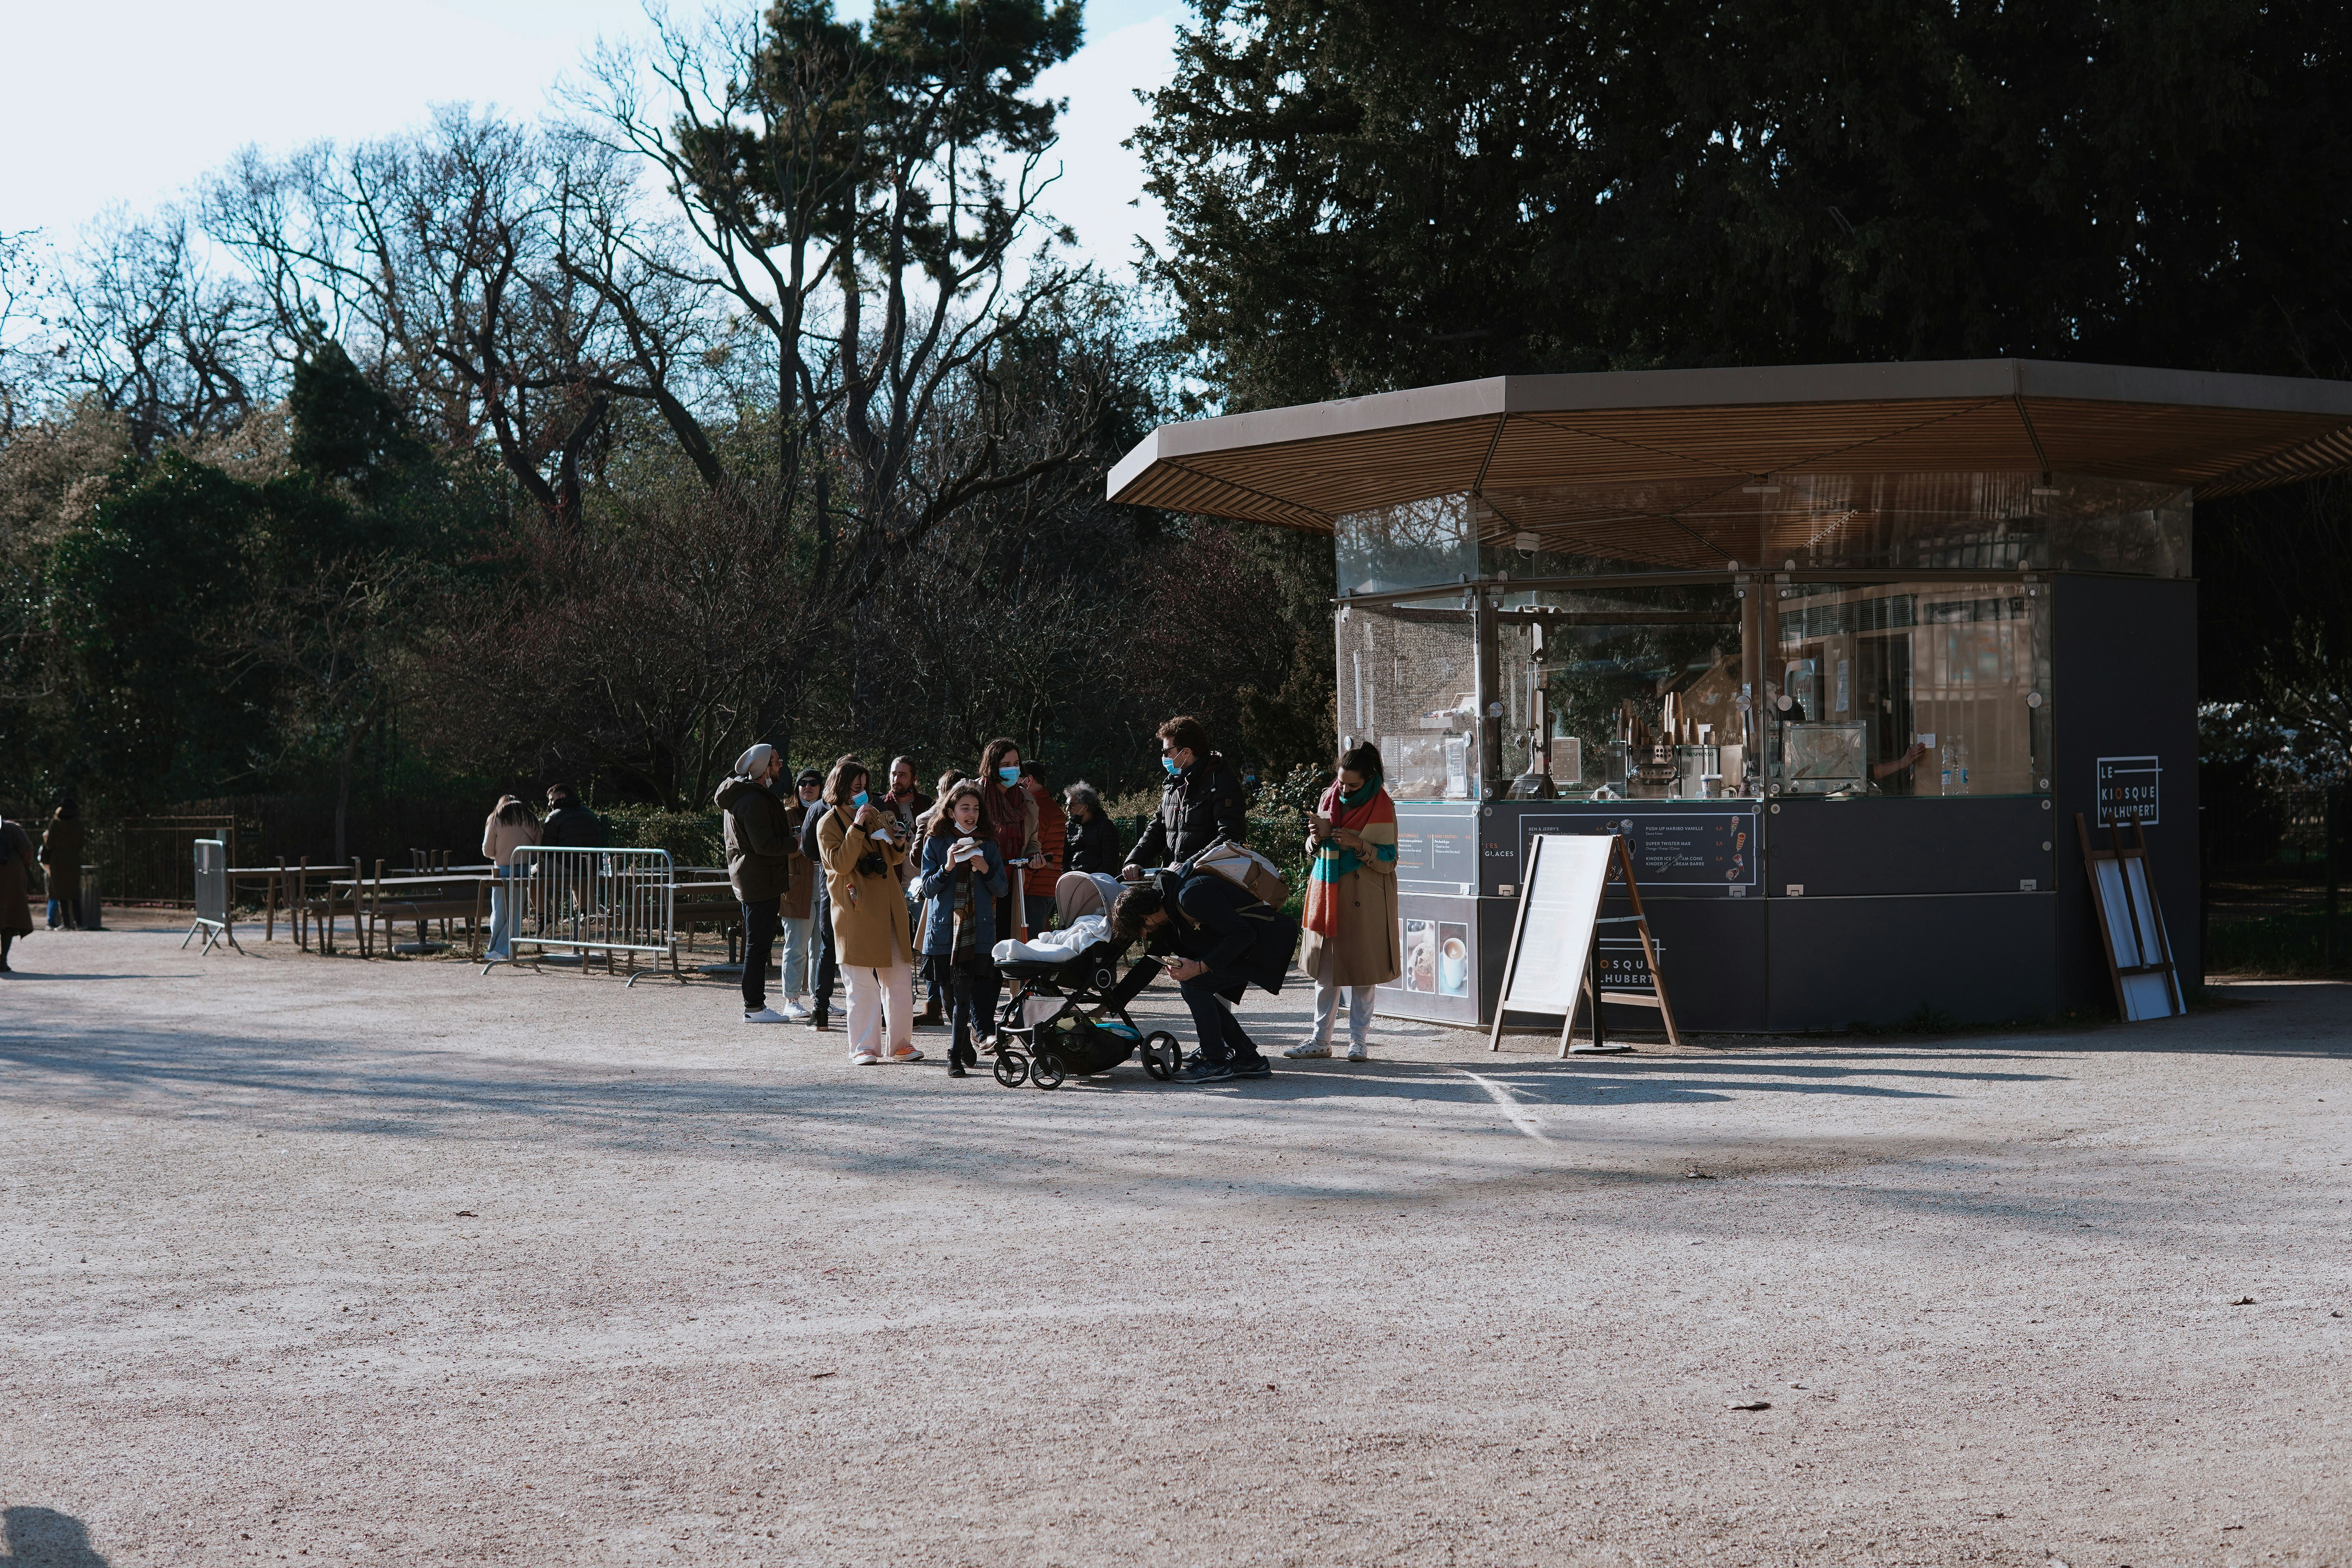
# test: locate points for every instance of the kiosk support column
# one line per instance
(1489, 686)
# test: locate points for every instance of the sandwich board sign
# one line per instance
(1554, 951)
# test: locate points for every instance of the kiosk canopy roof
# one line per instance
(1704, 432)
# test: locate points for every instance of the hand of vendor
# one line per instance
(1130, 872)
(1182, 969)
(1900, 764)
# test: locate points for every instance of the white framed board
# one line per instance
(1559, 907)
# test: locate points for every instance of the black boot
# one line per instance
(957, 1060)
(822, 1017)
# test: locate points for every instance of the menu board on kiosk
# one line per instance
(1686, 853)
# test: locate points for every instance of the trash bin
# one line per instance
(89, 899)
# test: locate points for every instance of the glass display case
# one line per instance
(1819, 759)
(1949, 683)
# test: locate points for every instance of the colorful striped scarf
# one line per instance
(1369, 807)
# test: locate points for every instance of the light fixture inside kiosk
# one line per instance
(1798, 635)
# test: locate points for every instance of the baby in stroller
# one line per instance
(1068, 1012)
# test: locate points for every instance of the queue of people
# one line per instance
(891, 890)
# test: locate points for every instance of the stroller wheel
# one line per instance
(1161, 1055)
(1011, 1067)
(1047, 1072)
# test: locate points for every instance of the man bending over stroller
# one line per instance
(1226, 940)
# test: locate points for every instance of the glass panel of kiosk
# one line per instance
(1660, 664)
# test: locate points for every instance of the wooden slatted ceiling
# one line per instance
(2329, 453)
(2189, 444)
(1663, 460)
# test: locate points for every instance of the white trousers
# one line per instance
(1326, 1011)
(880, 999)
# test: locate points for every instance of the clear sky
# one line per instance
(129, 103)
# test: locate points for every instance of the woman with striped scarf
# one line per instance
(1352, 940)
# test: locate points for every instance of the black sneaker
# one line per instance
(1205, 1072)
(1255, 1066)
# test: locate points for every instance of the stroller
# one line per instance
(1089, 1032)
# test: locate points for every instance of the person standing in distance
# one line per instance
(820, 905)
(856, 841)
(1200, 803)
(759, 837)
(570, 824)
(1013, 816)
(796, 914)
(907, 803)
(1351, 938)
(1038, 881)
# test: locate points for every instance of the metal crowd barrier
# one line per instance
(595, 900)
(212, 897)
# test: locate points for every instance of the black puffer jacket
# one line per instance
(1197, 807)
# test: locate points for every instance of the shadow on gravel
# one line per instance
(45, 1537)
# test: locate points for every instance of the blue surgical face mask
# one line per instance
(1010, 775)
(1169, 764)
(857, 799)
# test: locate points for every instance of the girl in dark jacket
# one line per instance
(962, 879)
(1091, 839)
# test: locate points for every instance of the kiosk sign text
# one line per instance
(2127, 790)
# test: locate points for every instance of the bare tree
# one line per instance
(146, 329)
(839, 185)
(444, 261)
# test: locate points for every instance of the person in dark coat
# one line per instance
(15, 888)
(1226, 940)
(569, 823)
(1089, 839)
(828, 971)
(759, 866)
(61, 866)
(1200, 803)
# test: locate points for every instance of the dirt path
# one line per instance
(317, 1258)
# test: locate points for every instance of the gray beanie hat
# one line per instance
(754, 763)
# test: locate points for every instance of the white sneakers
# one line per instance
(764, 1015)
(793, 1012)
(1359, 1054)
(865, 1060)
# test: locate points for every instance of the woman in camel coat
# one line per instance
(858, 843)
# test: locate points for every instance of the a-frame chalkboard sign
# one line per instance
(1555, 954)
(2131, 925)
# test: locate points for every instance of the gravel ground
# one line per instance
(317, 1258)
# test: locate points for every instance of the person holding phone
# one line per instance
(961, 879)
(861, 855)
(1350, 944)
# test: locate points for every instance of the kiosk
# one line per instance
(1840, 650)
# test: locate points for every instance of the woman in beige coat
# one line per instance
(510, 827)
(858, 844)
(1352, 940)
